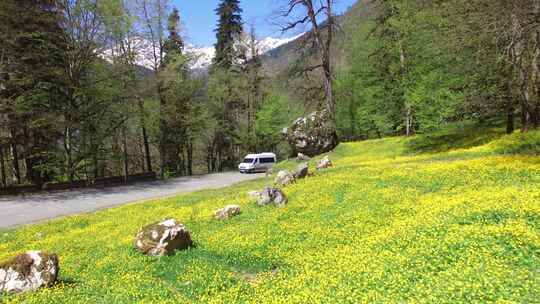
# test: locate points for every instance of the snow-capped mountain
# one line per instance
(267, 44)
(201, 57)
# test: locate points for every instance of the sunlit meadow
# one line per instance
(391, 222)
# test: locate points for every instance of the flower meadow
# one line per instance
(384, 225)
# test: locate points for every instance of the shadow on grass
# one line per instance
(221, 270)
(456, 137)
(66, 282)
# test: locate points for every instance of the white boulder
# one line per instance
(28, 272)
(163, 238)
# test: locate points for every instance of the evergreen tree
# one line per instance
(33, 44)
(224, 88)
(179, 92)
(174, 45)
(229, 29)
(253, 85)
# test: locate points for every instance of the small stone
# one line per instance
(279, 198)
(265, 197)
(302, 171)
(272, 196)
(254, 194)
(284, 178)
(28, 272)
(163, 238)
(324, 163)
(227, 212)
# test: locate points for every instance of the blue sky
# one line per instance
(199, 19)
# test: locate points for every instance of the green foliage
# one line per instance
(414, 65)
(225, 105)
(33, 96)
(271, 119)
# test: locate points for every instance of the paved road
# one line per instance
(15, 211)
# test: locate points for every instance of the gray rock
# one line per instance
(312, 135)
(265, 197)
(163, 238)
(279, 198)
(28, 272)
(302, 171)
(324, 163)
(227, 212)
(272, 196)
(284, 178)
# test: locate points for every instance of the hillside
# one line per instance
(458, 223)
(280, 58)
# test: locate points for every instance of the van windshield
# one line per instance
(247, 160)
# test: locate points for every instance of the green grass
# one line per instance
(387, 224)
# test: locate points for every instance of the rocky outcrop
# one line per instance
(163, 238)
(302, 171)
(324, 163)
(284, 178)
(227, 212)
(28, 272)
(272, 196)
(312, 135)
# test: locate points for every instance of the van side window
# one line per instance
(267, 160)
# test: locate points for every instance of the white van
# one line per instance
(257, 162)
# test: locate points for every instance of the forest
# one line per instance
(76, 104)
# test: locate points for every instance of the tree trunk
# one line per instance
(163, 153)
(525, 107)
(2, 167)
(329, 100)
(190, 157)
(219, 161)
(408, 108)
(325, 48)
(96, 166)
(330, 105)
(67, 149)
(208, 159)
(509, 115)
(28, 157)
(148, 157)
(249, 120)
(125, 156)
(408, 120)
(535, 116)
(16, 168)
